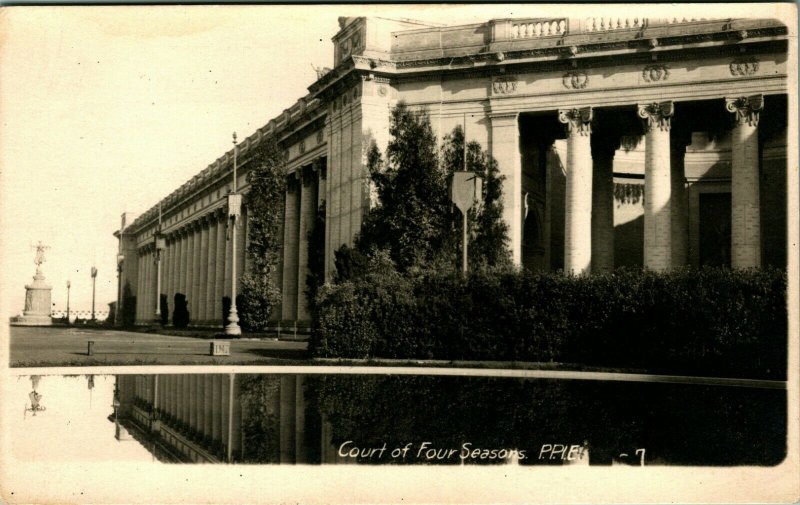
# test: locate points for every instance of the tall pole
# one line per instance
(233, 318)
(69, 285)
(464, 212)
(94, 277)
(159, 245)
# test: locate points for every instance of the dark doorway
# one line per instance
(715, 229)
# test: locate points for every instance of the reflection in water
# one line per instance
(390, 419)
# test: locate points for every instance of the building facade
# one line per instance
(623, 142)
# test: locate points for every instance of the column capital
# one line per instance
(657, 114)
(577, 120)
(746, 109)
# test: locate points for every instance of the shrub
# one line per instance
(180, 312)
(128, 306)
(164, 309)
(702, 321)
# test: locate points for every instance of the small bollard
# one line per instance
(220, 348)
(90, 350)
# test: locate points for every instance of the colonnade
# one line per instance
(304, 193)
(210, 404)
(197, 263)
(207, 403)
(588, 239)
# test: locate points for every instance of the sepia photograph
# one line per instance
(487, 249)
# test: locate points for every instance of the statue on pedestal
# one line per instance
(37, 295)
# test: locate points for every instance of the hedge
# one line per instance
(703, 321)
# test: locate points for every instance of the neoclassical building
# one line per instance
(650, 142)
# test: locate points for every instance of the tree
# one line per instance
(488, 244)
(414, 206)
(264, 201)
(415, 219)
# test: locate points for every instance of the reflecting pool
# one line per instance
(420, 419)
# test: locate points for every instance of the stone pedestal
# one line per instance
(37, 304)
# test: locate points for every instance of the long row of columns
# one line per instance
(197, 263)
(207, 403)
(588, 242)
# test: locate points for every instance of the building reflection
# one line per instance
(370, 419)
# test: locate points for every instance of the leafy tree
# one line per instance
(415, 219)
(265, 212)
(414, 206)
(488, 244)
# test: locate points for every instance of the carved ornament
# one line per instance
(655, 73)
(504, 85)
(577, 120)
(744, 67)
(657, 114)
(575, 80)
(746, 109)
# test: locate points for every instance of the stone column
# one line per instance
(308, 213)
(219, 280)
(202, 277)
(184, 260)
(288, 396)
(301, 450)
(173, 276)
(216, 407)
(290, 243)
(603, 149)
(190, 248)
(505, 149)
(679, 205)
(578, 191)
(207, 403)
(211, 268)
(745, 199)
(166, 256)
(657, 185)
(195, 273)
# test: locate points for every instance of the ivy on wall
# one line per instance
(264, 201)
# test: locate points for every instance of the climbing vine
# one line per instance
(264, 204)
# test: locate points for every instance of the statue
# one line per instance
(37, 295)
(39, 258)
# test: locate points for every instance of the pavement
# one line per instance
(67, 346)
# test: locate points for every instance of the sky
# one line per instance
(105, 110)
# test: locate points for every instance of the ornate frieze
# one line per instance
(657, 114)
(746, 109)
(577, 120)
(504, 85)
(744, 67)
(576, 79)
(655, 73)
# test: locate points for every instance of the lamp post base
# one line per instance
(233, 329)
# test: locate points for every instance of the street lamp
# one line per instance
(94, 276)
(118, 314)
(160, 245)
(234, 209)
(69, 285)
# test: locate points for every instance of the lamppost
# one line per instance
(160, 245)
(94, 276)
(118, 315)
(234, 209)
(69, 285)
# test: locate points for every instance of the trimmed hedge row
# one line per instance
(708, 321)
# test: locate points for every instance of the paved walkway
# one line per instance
(59, 346)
